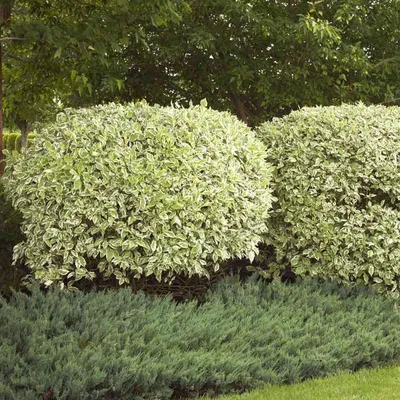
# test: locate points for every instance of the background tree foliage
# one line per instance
(265, 58)
(257, 58)
(52, 48)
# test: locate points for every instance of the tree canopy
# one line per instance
(264, 58)
(64, 51)
(256, 58)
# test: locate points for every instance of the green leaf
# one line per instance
(58, 53)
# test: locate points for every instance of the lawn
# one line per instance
(381, 384)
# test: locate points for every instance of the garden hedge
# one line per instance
(129, 191)
(337, 184)
(115, 345)
(12, 141)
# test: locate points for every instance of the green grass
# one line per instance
(381, 384)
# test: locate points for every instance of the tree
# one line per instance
(57, 44)
(264, 58)
(4, 18)
(257, 58)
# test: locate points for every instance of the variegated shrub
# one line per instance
(136, 190)
(338, 188)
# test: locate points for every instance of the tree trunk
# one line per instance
(5, 12)
(24, 137)
(239, 106)
(1, 110)
(24, 128)
(236, 100)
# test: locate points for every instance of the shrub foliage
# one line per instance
(10, 235)
(114, 344)
(337, 182)
(132, 190)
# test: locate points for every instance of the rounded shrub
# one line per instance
(337, 184)
(125, 191)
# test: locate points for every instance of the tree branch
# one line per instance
(11, 38)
